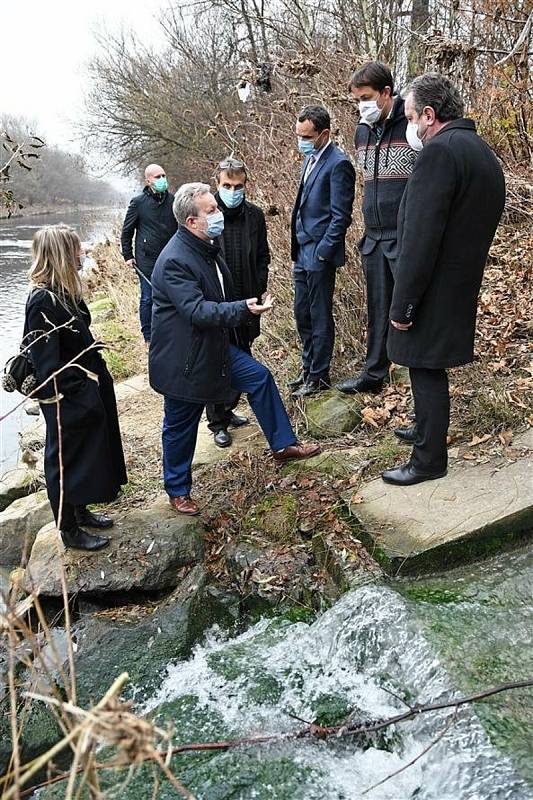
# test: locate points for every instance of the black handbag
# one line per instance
(19, 374)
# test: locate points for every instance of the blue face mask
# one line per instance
(160, 185)
(305, 146)
(215, 224)
(231, 197)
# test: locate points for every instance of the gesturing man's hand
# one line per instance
(259, 308)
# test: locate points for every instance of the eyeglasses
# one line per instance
(232, 163)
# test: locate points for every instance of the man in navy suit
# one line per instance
(321, 216)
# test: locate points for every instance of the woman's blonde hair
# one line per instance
(55, 262)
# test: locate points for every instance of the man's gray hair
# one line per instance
(185, 200)
(439, 93)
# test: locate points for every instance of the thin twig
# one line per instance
(432, 744)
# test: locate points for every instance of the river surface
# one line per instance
(15, 253)
(415, 640)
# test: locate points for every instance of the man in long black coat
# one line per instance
(447, 219)
(150, 220)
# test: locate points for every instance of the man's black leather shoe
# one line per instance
(78, 539)
(299, 381)
(237, 422)
(223, 438)
(311, 387)
(406, 475)
(406, 434)
(86, 517)
(359, 384)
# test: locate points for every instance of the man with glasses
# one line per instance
(150, 219)
(244, 248)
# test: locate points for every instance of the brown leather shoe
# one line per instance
(294, 451)
(184, 505)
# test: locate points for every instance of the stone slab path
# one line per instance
(475, 509)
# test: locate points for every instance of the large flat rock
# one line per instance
(19, 482)
(147, 551)
(475, 509)
(19, 524)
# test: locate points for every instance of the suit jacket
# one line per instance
(447, 219)
(192, 321)
(322, 212)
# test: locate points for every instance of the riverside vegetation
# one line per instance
(306, 626)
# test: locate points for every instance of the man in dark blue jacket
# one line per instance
(386, 160)
(321, 216)
(194, 358)
(150, 219)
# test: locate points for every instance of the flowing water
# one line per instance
(15, 247)
(421, 640)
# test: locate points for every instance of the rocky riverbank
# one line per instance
(269, 541)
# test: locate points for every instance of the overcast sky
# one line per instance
(45, 46)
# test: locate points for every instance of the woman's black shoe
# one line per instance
(78, 539)
(86, 517)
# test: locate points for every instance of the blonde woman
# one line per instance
(89, 450)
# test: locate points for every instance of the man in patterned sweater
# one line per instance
(386, 160)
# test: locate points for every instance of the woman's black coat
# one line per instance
(92, 454)
(193, 322)
(448, 216)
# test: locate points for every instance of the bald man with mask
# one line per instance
(150, 220)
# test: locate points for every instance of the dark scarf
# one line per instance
(233, 236)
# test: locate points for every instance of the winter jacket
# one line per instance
(386, 162)
(192, 320)
(150, 218)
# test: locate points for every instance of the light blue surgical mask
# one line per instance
(215, 224)
(231, 197)
(305, 146)
(160, 185)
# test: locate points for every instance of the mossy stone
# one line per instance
(276, 516)
(332, 414)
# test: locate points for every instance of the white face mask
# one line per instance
(370, 111)
(413, 139)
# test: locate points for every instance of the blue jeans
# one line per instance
(145, 308)
(181, 420)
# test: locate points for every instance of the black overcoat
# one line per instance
(447, 219)
(255, 258)
(192, 321)
(92, 454)
(150, 218)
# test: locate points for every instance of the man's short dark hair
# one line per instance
(375, 74)
(439, 93)
(318, 115)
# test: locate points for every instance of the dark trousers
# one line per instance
(219, 414)
(181, 420)
(432, 407)
(378, 266)
(313, 312)
(145, 308)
